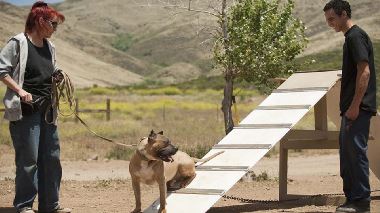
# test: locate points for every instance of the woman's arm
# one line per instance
(25, 96)
(8, 60)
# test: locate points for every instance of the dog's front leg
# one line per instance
(162, 187)
(137, 192)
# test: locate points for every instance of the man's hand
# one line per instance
(352, 113)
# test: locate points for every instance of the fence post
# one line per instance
(76, 109)
(163, 112)
(108, 111)
(217, 112)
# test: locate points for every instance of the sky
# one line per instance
(29, 2)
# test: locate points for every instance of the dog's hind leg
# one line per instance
(180, 181)
(171, 185)
(186, 180)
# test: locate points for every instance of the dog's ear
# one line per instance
(161, 132)
(152, 133)
(151, 136)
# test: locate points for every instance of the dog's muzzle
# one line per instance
(167, 152)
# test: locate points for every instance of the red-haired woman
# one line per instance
(26, 66)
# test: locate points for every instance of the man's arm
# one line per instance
(362, 79)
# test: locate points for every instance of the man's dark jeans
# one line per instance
(354, 166)
(38, 167)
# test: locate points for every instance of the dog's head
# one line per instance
(159, 147)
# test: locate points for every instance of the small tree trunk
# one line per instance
(227, 104)
(228, 76)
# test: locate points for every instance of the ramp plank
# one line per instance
(274, 116)
(211, 179)
(236, 157)
(254, 136)
(311, 79)
(294, 98)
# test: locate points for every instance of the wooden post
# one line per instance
(163, 112)
(320, 115)
(283, 172)
(108, 110)
(76, 109)
(217, 112)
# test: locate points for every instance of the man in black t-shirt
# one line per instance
(357, 106)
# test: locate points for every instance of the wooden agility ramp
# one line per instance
(271, 122)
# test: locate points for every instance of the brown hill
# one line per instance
(365, 13)
(161, 35)
(84, 68)
(102, 42)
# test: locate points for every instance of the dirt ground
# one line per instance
(105, 186)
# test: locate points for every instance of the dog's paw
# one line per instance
(136, 211)
(162, 210)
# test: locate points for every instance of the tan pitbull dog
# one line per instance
(157, 160)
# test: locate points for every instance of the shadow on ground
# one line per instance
(7, 210)
(261, 205)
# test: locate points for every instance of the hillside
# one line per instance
(109, 40)
(84, 68)
(365, 13)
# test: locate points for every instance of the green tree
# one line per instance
(258, 42)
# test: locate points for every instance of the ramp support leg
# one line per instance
(283, 176)
(320, 138)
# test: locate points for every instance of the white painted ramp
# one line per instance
(247, 143)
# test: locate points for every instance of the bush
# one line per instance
(123, 42)
(158, 91)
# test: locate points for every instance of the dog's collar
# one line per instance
(143, 156)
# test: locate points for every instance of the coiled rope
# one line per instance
(62, 92)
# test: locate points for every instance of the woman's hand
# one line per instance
(25, 96)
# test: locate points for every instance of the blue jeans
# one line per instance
(38, 167)
(354, 166)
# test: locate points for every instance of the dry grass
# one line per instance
(194, 131)
(192, 122)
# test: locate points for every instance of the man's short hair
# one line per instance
(338, 6)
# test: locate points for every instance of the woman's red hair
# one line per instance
(41, 10)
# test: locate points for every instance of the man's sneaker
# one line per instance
(354, 207)
(26, 210)
(62, 210)
(59, 210)
(347, 202)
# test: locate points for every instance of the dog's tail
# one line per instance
(196, 160)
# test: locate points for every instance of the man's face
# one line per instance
(335, 21)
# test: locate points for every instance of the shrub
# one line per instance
(123, 42)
